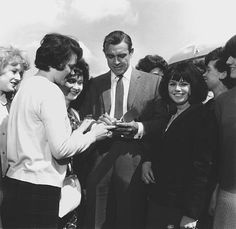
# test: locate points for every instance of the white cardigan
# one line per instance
(39, 134)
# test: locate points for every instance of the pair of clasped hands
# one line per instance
(121, 128)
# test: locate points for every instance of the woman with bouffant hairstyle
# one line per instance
(13, 64)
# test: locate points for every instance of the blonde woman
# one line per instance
(13, 63)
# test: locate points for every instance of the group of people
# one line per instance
(149, 150)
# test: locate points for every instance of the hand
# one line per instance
(86, 125)
(102, 131)
(187, 222)
(147, 173)
(126, 129)
(106, 119)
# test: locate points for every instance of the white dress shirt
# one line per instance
(126, 83)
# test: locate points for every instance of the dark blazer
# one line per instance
(182, 164)
(119, 155)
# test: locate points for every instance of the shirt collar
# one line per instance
(127, 74)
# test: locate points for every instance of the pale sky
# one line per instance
(160, 27)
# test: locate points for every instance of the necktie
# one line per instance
(119, 98)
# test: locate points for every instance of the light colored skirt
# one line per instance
(225, 214)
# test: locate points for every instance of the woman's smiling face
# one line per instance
(10, 77)
(72, 87)
(179, 91)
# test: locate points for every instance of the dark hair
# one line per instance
(230, 48)
(81, 68)
(150, 62)
(115, 38)
(200, 64)
(55, 51)
(190, 73)
(220, 64)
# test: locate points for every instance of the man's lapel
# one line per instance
(134, 87)
(106, 84)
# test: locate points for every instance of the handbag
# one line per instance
(70, 193)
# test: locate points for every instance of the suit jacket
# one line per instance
(143, 97)
(117, 160)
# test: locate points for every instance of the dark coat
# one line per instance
(182, 161)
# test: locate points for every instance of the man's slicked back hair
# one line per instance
(115, 38)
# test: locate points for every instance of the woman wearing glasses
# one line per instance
(177, 171)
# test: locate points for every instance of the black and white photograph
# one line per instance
(117, 114)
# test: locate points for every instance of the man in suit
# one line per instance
(115, 192)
